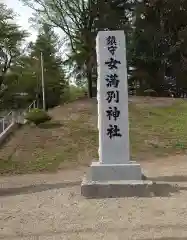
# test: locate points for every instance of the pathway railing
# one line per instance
(6, 121)
(32, 106)
(20, 118)
(14, 117)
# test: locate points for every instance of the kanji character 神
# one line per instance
(113, 112)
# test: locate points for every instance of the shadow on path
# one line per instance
(91, 231)
(36, 188)
(165, 238)
(174, 178)
(154, 190)
(160, 189)
(50, 125)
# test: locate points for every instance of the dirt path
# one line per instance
(49, 206)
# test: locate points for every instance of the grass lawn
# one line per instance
(158, 127)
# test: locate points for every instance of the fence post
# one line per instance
(3, 121)
(14, 117)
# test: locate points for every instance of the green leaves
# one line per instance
(54, 77)
(38, 116)
(159, 42)
(80, 20)
(11, 38)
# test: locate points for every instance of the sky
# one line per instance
(24, 13)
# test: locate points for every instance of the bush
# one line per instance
(151, 93)
(73, 93)
(37, 116)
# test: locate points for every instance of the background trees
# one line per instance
(11, 38)
(20, 71)
(159, 44)
(75, 20)
(47, 44)
(29, 69)
(80, 20)
(156, 34)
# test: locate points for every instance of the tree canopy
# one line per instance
(156, 32)
(80, 20)
(20, 71)
(47, 44)
(159, 43)
(11, 38)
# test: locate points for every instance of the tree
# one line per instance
(148, 54)
(69, 16)
(11, 38)
(80, 20)
(23, 83)
(19, 90)
(47, 44)
(159, 42)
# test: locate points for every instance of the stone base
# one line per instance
(114, 180)
(109, 189)
(115, 172)
(125, 180)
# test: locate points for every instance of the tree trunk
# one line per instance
(89, 79)
(89, 76)
(1, 79)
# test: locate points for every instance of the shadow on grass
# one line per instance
(50, 125)
(36, 188)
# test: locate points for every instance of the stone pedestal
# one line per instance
(115, 172)
(117, 189)
(114, 180)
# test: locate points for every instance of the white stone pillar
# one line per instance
(113, 123)
(112, 98)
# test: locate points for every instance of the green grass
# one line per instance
(158, 131)
(71, 142)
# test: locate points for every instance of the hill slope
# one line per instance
(157, 127)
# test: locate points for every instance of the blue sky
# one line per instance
(24, 13)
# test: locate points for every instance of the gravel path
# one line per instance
(49, 206)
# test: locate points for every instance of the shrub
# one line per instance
(37, 116)
(151, 93)
(73, 93)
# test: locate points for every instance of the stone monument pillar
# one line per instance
(112, 98)
(114, 162)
